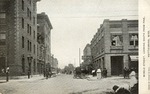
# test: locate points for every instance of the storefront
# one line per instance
(133, 59)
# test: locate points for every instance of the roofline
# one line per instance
(43, 15)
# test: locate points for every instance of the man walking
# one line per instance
(125, 72)
(7, 74)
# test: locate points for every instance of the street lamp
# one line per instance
(29, 63)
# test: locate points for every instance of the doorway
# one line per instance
(116, 65)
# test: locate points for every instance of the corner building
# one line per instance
(18, 31)
(44, 34)
(115, 46)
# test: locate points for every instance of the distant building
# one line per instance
(54, 64)
(87, 58)
(115, 46)
(18, 42)
(44, 42)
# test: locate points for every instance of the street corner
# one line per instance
(94, 79)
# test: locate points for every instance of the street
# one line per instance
(61, 84)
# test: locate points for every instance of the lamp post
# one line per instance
(44, 68)
(29, 63)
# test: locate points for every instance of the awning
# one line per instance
(134, 57)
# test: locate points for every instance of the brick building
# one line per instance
(18, 31)
(44, 42)
(115, 46)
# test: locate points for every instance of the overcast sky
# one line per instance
(76, 21)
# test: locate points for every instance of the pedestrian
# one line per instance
(93, 72)
(28, 74)
(128, 72)
(120, 90)
(7, 74)
(3, 71)
(50, 74)
(125, 72)
(105, 72)
(133, 79)
(47, 74)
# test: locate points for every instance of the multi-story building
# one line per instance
(40, 53)
(115, 46)
(44, 42)
(18, 40)
(87, 58)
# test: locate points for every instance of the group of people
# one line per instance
(127, 71)
(47, 74)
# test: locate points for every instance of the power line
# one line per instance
(94, 16)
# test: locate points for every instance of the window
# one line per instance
(22, 22)
(28, 28)
(30, 15)
(2, 39)
(22, 42)
(134, 39)
(22, 4)
(132, 25)
(115, 25)
(34, 34)
(2, 18)
(2, 36)
(116, 40)
(28, 12)
(30, 2)
(34, 49)
(28, 45)
(34, 66)
(34, 20)
(3, 6)
(2, 15)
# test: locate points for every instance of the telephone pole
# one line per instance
(79, 57)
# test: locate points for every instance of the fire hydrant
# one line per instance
(99, 75)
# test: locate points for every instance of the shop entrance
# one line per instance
(116, 65)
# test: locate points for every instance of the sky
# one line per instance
(75, 22)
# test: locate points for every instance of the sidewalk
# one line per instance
(91, 78)
(12, 78)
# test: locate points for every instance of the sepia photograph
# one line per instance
(70, 47)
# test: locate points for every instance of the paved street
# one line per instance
(62, 84)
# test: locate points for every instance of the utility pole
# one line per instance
(79, 57)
